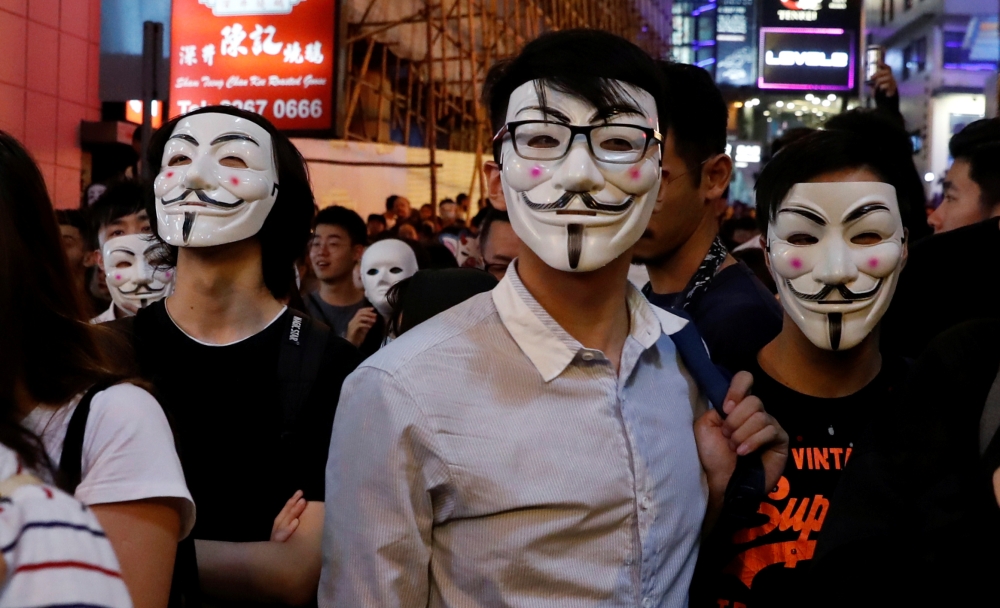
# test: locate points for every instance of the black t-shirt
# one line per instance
(736, 315)
(949, 278)
(337, 317)
(915, 519)
(766, 565)
(224, 404)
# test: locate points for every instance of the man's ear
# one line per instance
(359, 250)
(715, 175)
(491, 173)
(94, 258)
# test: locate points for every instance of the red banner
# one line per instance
(272, 57)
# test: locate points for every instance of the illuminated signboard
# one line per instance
(811, 13)
(273, 57)
(820, 59)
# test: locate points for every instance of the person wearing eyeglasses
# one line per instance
(542, 444)
(689, 266)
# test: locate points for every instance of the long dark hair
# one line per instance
(286, 230)
(48, 351)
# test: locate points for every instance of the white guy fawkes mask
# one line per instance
(134, 279)
(383, 265)
(576, 211)
(217, 183)
(836, 250)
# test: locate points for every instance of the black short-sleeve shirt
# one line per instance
(225, 407)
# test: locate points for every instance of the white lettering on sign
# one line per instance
(183, 82)
(747, 153)
(211, 83)
(243, 8)
(312, 81)
(813, 59)
(798, 15)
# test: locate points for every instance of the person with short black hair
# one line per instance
(957, 259)
(489, 456)
(835, 244)
(376, 225)
(689, 266)
(77, 242)
(498, 242)
(120, 211)
(971, 186)
(338, 242)
(252, 385)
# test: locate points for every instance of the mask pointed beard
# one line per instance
(574, 244)
(835, 320)
(189, 218)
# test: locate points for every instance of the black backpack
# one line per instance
(299, 361)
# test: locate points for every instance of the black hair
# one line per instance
(77, 218)
(697, 114)
(285, 232)
(47, 346)
(793, 134)
(887, 132)
(390, 202)
(813, 155)
(377, 218)
(347, 219)
(578, 62)
(984, 163)
(431, 292)
(975, 134)
(492, 216)
(119, 200)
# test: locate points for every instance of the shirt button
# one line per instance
(645, 503)
(587, 356)
(647, 602)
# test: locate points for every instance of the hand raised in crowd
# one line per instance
(287, 521)
(884, 81)
(746, 429)
(359, 326)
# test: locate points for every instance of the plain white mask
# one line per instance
(134, 279)
(384, 264)
(836, 250)
(613, 201)
(217, 183)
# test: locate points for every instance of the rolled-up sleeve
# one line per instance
(382, 472)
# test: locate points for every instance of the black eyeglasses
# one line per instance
(544, 140)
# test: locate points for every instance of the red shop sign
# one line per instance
(273, 57)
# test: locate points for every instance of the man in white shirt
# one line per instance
(120, 211)
(537, 445)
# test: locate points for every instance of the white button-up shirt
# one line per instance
(487, 459)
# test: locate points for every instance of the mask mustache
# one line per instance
(588, 201)
(845, 293)
(208, 200)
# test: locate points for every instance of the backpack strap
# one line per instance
(990, 420)
(71, 460)
(299, 359)
(746, 487)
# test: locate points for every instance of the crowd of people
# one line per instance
(602, 388)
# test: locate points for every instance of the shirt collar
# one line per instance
(549, 347)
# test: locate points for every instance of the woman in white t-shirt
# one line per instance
(130, 475)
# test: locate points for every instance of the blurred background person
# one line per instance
(376, 225)
(498, 242)
(338, 242)
(972, 184)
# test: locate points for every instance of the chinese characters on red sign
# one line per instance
(273, 57)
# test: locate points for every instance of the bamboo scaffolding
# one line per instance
(435, 99)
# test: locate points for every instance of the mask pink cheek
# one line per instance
(118, 277)
(536, 171)
(795, 263)
(635, 173)
(873, 263)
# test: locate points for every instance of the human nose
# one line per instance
(144, 273)
(199, 175)
(578, 172)
(936, 220)
(836, 266)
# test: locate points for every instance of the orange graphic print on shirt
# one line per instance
(801, 514)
